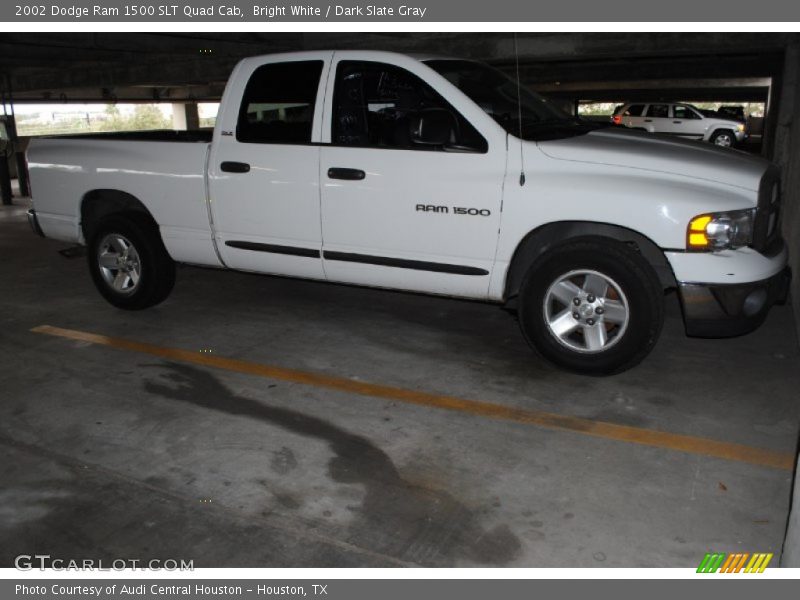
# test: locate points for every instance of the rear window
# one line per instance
(278, 103)
(634, 110)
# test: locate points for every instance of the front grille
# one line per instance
(766, 230)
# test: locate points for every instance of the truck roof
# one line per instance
(421, 57)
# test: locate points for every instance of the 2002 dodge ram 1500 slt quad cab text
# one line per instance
(428, 175)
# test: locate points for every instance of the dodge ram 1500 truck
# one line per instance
(432, 175)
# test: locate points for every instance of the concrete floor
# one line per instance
(109, 453)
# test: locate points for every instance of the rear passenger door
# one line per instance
(264, 167)
(657, 119)
(401, 214)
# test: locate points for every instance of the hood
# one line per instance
(653, 152)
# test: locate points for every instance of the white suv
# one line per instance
(683, 120)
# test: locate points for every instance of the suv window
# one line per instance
(684, 112)
(374, 105)
(732, 112)
(278, 103)
(659, 111)
(634, 110)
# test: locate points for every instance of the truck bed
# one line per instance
(164, 170)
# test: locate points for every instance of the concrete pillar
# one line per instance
(20, 148)
(5, 180)
(791, 545)
(787, 154)
(6, 157)
(185, 116)
(22, 175)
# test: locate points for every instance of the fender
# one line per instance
(540, 240)
(100, 203)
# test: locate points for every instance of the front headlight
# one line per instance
(720, 231)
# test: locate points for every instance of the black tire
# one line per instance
(641, 294)
(156, 274)
(722, 134)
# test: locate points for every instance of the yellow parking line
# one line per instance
(611, 431)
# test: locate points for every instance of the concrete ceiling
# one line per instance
(176, 66)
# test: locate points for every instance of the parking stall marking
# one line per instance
(600, 429)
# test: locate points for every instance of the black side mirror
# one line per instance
(432, 127)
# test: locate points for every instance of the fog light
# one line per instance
(754, 302)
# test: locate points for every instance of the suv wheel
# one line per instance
(593, 306)
(723, 137)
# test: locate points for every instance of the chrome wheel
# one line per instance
(586, 311)
(119, 263)
(723, 139)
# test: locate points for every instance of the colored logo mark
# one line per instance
(719, 562)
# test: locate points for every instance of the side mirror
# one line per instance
(432, 127)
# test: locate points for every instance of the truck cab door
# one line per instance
(264, 166)
(411, 190)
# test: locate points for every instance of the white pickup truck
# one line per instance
(427, 174)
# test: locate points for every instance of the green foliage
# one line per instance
(753, 109)
(144, 117)
(595, 109)
(147, 116)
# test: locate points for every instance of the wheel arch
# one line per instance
(542, 239)
(717, 129)
(101, 203)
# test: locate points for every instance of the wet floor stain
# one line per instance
(283, 461)
(396, 517)
(287, 500)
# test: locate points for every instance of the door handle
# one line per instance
(348, 174)
(677, 122)
(234, 167)
(648, 120)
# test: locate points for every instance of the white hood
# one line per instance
(652, 152)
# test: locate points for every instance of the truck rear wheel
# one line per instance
(593, 306)
(129, 265)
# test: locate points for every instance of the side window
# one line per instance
(278, 103)
(383, 106)
(634, 110)
(659, 111)
(684, 112)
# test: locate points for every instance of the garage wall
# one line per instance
(787, 154)
(791, 547)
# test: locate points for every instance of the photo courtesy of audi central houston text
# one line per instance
(400, 299)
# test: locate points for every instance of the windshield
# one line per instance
(498, 96)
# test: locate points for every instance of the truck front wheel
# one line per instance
(129, 265)
(593, 306)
